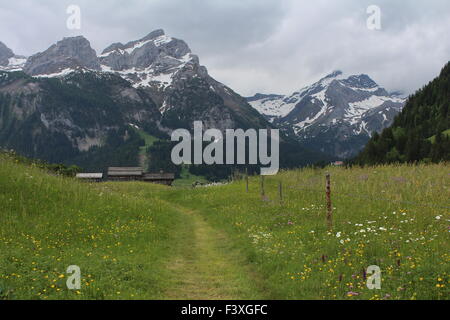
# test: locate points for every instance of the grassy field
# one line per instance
(395, 217)
(141, 241)
(49, 223)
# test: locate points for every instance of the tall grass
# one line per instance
(395, 217)
(48, 223)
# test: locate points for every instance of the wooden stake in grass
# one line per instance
(280, 191)
(263, 192)
(246, 180)
(329, 205)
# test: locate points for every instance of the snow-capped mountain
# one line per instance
(154, 84)
(336, 115)
(154, 59)
(161, 65)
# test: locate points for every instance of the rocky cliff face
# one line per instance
(336, 115)
(67, 54)
(60, 119)
(5, 54)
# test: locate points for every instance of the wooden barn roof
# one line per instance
(158, 176)
(89, 175)
(125, 171)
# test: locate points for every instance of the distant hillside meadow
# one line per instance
(143, 241)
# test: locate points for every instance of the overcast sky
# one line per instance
(268, 46)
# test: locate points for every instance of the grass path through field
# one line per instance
(206, 266)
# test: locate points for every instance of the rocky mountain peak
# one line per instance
(68, 53)
(144, 52)
(152, 61)
(154, 34)
(362, 81)
(334, 74)
(118, 47)
(5, 54)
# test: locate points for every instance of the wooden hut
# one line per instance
(125, 174)
(90, 177)
(159, 178)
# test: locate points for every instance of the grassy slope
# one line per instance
(149, 141)
(374, 224)
(445, 133)
(48, 223)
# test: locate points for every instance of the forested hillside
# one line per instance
(420, 132)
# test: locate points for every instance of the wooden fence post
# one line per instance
(246, 180)
(280, 191)
(263, 192)
(329, 205)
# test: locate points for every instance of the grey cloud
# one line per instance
(255, 45)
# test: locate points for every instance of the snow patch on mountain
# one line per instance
(60, 74)
(373, 102)
(154, 74)
(15, 63)
(159, 41)
(273, 108)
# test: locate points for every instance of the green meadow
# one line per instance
(143, 241)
